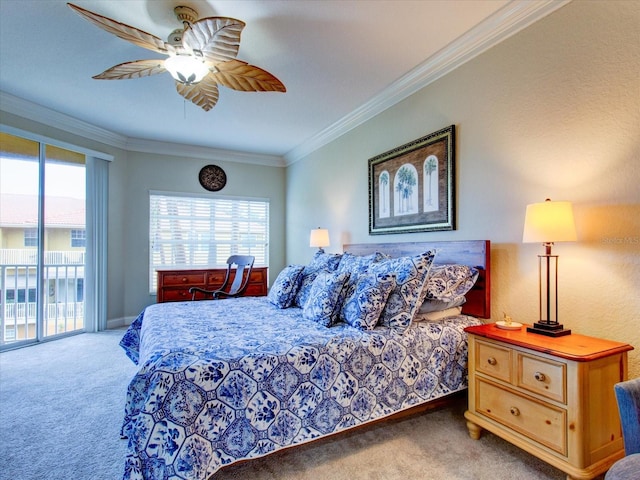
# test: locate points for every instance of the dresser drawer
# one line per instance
(542, 376)
(173, 285)
(255, 290)
(186, 278)
(493, 360)
(216, 277)
(539, 421)
(175, 294)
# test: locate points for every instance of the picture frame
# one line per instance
(412, 187)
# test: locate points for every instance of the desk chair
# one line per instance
(242, 265)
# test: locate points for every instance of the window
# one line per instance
(21, 295)
(79, 238)
(31, 237)
(191, 231)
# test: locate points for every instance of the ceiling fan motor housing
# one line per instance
(186, 14)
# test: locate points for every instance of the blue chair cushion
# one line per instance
(628, 398)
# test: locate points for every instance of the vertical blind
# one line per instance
(192, 232)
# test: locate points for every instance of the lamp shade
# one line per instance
(549, 222)
(319, 238)
(186, 69)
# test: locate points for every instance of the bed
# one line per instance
(228, 380)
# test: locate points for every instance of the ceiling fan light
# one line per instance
(186, 69)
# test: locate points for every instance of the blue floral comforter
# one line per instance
(225, 380)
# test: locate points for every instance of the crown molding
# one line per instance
(38, 113)
(207, 153)
(512, 18)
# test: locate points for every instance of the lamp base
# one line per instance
(549, 329)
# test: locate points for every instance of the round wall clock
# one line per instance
(212, 178)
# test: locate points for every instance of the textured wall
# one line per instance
(553, 112)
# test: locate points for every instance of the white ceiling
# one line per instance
(341, 62)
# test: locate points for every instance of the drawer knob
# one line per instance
(539, 376)
(184, 279)
(492, 361)
(514, 411)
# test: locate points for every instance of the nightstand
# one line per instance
(552, 397)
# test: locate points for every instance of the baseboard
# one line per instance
(119, 322)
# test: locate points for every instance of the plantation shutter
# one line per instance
(191, 231)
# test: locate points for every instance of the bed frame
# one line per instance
(475, 253)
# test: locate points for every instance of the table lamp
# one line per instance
(549, 222)
(319, 238)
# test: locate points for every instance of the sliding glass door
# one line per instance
(42, 240)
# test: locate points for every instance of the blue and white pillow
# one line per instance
(359, 263)
(407, 296)
(449, 282)
(356, 265)
(322, 304)
(321, 262)
(362, 308)
(284, 289)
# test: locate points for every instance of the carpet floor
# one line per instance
(61, 406)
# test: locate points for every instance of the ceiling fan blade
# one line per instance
(218, 38)
(126, 32)
(136, 69)
(204, 94)
(241, 76)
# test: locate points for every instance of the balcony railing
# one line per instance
(20, 320)
(29, 256)
(63, 298)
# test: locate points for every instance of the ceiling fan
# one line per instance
(201, 56)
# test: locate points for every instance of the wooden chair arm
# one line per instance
(194, 290)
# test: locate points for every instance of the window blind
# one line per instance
(192, 232)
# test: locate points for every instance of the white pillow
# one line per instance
(435, 316)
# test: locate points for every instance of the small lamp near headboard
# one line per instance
(548, 222)
(319, 237)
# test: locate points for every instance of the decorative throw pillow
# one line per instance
(406, 297)
(321, 262)
(356, 265)
(362, 308)
(284, 289)
(359, 263)
(322, 305)
(447, 282)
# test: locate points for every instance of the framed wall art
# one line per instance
(411, 188)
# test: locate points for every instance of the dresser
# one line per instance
(174, 285)
(552, 397)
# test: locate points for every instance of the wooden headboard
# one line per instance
(475, 253)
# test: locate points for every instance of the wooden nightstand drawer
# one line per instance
(537, 420)
(542, 376)
(493, 360)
